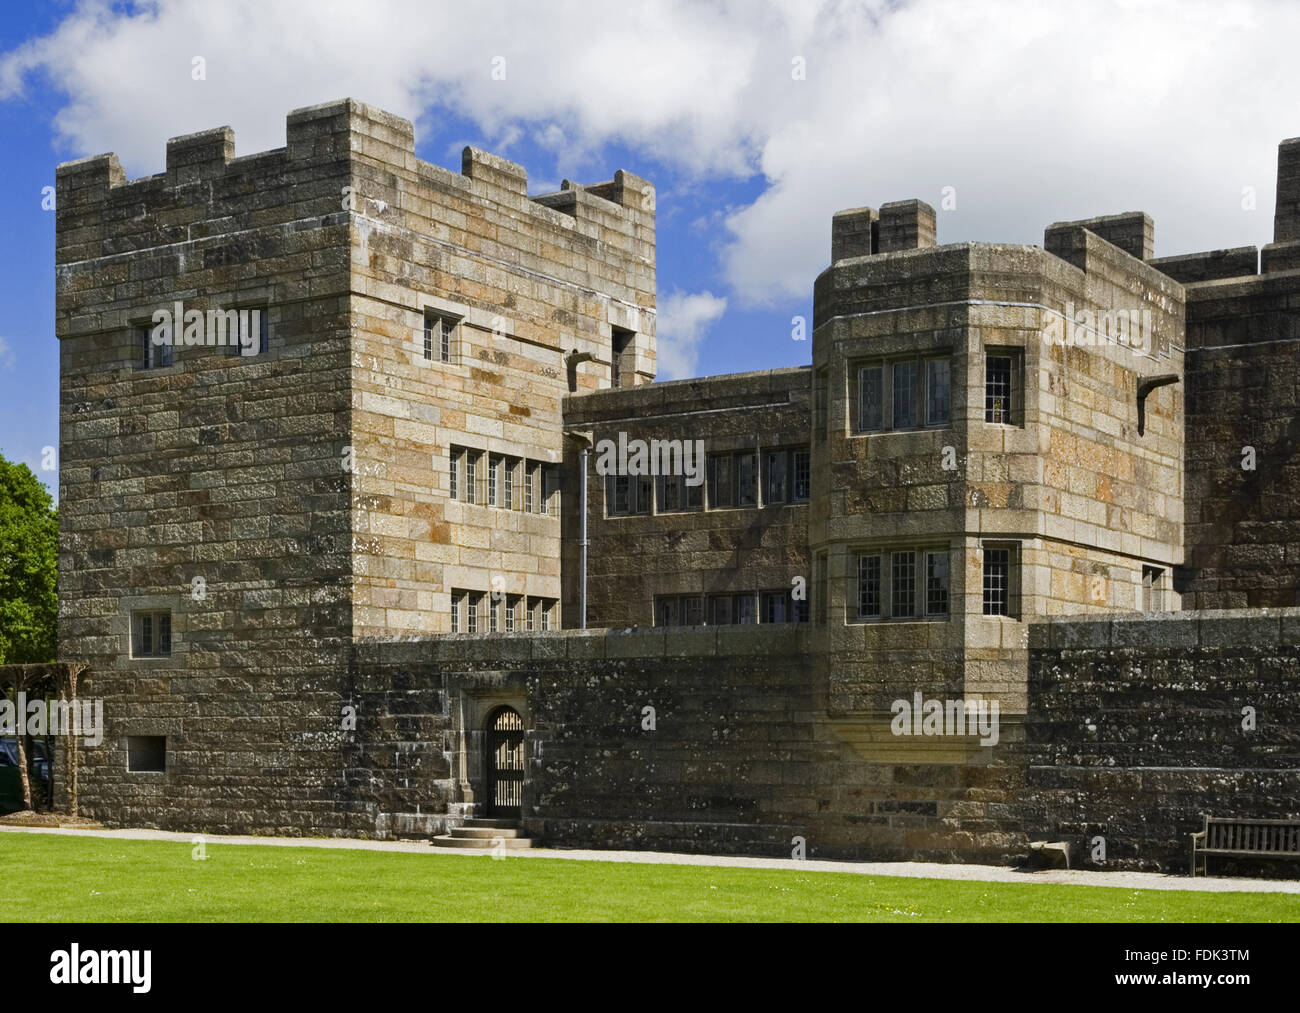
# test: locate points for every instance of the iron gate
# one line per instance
(505, 763)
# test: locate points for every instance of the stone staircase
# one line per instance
(482, 834)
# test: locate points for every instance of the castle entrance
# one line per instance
(505, 763)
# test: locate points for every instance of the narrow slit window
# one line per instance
(999, 373)
(871, 399)
(997, 581)
(904, 395)
(938, 392)
(902, 600)
(869, 589)
(802, 479)
(777, 488)
(936, 583)
(746, 480)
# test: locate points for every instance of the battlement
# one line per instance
(625, 190)
(1212, 265)
(1286, 215)
(897, 226)
(343, 141)
(1134, 232)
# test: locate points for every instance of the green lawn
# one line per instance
(50, 878)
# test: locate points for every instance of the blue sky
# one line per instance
(756, 121)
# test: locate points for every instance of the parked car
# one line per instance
(11, 789)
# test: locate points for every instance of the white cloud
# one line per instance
(6, 355)
(1033, 112)
(684, 319)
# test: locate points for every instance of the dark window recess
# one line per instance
(821, 392)
(802, 476)
(151, 356)
(731, 609)
(779, 607)
(620, 368)
(236, 347)
(721, 493)
(719, 610)
(904, 395)
(746, 480)
(627, 494)
(146, 753)
(871, 398)
(936, 583)
(868, 587)
(675, 495)
(821, 586)
(151, 634)
(1153, 589)
(776, 468)
(938, 392)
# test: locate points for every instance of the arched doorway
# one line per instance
(505, 763)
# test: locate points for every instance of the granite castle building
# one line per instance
(376, 578)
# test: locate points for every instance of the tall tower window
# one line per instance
(1003, 393)
(999, 580)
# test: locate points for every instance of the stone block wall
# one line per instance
(274, 505)
(631, 560)
(527, 282)
(210, 488)
(1087, 500)
(1243, 432)
(1136, 730)
(741, 757)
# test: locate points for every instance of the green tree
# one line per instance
(29, 556)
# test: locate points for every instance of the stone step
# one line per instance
(482, 844)
(501, 824)
(486, 832)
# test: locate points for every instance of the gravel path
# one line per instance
(923, 870)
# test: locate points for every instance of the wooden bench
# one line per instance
(1251, 838)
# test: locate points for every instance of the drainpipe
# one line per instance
(571, 361)
(582, 543)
